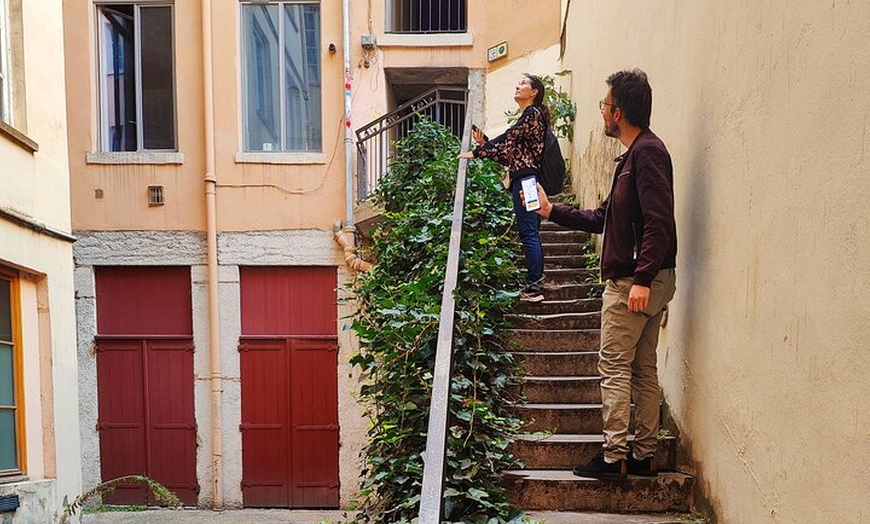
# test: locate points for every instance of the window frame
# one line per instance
(6, 108)
(17, 376)
(283, 148)
(102, 67)
(391, 29)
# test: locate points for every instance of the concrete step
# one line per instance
(546, 225)
(552, 307)
(557, 321)
(555, 389)
(559, 364)
(543, 340)
(573, 290)
(566, 249)
(564, 236)
(561, 451)
(563, 418)
(569, 276)
(568, 261)
(561, 490)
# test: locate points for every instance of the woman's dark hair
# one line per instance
(538, 85)
(632, 93)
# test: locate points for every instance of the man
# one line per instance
(637, 265)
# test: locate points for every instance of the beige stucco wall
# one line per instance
(35, 187)
(765, 107)
(502, 80)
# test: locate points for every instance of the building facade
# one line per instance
(39, 423)
(208, 160)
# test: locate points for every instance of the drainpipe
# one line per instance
(345, 236)
(348, 132)
(345, 240)
(211, 242)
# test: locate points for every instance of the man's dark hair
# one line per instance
(631, 93)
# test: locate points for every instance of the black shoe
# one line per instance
(641, 468)
(598, 468)
(534, 292)
(530, 295)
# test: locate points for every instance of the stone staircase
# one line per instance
(558, 342)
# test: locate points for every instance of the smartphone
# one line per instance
(474, 128)
(530, 193)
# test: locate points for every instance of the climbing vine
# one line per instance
(397, 324)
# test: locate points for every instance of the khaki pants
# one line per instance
(627, 365)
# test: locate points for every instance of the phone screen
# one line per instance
(530, 194)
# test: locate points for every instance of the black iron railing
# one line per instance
(375, 140)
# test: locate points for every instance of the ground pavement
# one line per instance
(251, 516)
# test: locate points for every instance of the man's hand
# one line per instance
(466, 154)
(638, 298)
(546, 206)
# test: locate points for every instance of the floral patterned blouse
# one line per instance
(521, 147)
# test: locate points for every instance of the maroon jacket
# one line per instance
(637, 218)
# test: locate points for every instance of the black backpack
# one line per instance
(552, 165)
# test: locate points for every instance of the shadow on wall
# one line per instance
(692, 189)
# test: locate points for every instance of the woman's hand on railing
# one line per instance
(478, 136)
(466, 154)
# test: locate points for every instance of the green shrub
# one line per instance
(397, 323)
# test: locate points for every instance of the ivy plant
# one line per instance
(397, 320)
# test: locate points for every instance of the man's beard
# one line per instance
(611, 130)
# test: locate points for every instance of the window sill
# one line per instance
(279, 158)
(12, 479)
(430, 40)
(20, 139)
(135, 157)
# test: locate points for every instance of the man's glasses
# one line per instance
(602, 103)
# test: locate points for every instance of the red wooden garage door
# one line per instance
(145, 380)
(289, 387)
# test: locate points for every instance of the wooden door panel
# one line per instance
(289, 387)
(145, 379)
(121, 417)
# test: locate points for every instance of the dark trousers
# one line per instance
(528, 223)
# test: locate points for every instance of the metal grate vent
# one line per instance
(9, 503)
(156, 196)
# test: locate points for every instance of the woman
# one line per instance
(521, 149)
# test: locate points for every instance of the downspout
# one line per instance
(211, 243)
(348, 132)
(345, 240)
(345, 236)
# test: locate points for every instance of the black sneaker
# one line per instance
(598, 468)
(641, 468)
(534, 292)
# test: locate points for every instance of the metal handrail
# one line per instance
(436, 436)
(445, 105)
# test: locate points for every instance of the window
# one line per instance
(5, 80)
(281, 76)
(137, 78)
(11, 409)
(427, 16)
